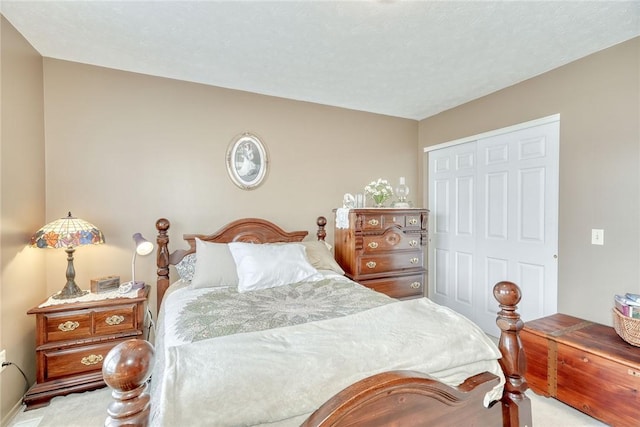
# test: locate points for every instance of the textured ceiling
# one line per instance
(399, 58)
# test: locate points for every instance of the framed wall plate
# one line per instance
(247, 161)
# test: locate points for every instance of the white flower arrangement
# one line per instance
(379, 191)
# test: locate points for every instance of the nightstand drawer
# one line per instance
(115, 319)
(390, 262)
(66, 326)
(59, 363)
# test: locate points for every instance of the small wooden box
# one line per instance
(105, 284)
(585, 365)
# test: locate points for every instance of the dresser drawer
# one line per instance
(59, 363)
(115, 319)
(382, 220)
(375, 264)
(391, 240)
(399, 286)
(66, 326)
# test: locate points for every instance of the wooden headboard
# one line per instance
(251, 230)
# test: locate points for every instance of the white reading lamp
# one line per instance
(143, 247)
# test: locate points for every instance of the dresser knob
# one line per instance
(414, 260)
(92, 359)
(373, 222)
(371, 264)
(413, 221)
(415, 285)
(116, 319)
(373, 245)
(68, 326)
(413, 243)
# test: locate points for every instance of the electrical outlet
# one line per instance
(3, 358)
(597, 237)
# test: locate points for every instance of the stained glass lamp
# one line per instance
(68, 233)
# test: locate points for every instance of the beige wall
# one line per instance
(22, 208)
(598, 100)
(125, 149)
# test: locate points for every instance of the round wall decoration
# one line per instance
(247, 161)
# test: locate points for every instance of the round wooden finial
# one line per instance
(162, 224)
(321, 221)
(507, 293)
(128, 365)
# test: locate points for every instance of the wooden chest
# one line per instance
(585, 365)
(383, 249)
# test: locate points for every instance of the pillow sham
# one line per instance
(186, 267)
(215, 266)
(263, 266)
(320, 256)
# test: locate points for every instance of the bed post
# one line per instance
(516, 406)
(162, 282)
(321, 222)
(126, 369)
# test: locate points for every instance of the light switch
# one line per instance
(597, 236)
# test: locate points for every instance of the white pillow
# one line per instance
(215, 266)
(262, 266)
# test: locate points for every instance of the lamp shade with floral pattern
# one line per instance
(68, 233)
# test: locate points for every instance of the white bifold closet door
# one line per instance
(494, 216)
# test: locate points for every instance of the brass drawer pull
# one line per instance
(68, 326)
(116, 319)
(371, 264)
(414, 260)
(413, 221)
(413, 243)
(373, 245)
(373, 222)
(92, 359)
(415, 285)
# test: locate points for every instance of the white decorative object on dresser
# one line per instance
(383, 249)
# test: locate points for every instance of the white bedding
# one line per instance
(277, 377)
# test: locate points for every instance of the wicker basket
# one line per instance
(627, 327)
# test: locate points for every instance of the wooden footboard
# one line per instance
(409, 399)
(400, 398)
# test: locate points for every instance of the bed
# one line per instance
(241, 342)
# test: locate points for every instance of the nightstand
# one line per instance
(72, 339)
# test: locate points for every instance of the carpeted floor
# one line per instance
(89, 409)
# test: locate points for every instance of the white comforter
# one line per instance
(279, 376)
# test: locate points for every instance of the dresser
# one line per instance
(383, 249)
(72, 340)
(585, 365)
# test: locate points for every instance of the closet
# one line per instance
(493, 201)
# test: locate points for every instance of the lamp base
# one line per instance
(69, 292)
(402, 205)
(130, 286)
